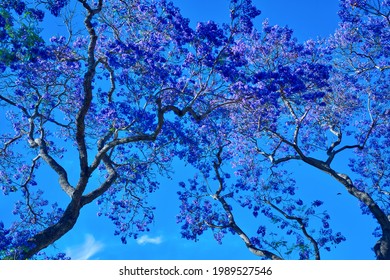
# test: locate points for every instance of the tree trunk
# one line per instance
(51, 234)
(382, 248)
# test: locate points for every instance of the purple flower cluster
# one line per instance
(243, 12)
(198, 212)
(55, 6)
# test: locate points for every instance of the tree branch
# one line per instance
(232, 223)
(87, 86)
(26, 189)
(113, 175)
(63, 175)
(112, 78)
(301, 225)
(332, 153)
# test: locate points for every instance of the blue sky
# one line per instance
(308, 19)
(92, 237)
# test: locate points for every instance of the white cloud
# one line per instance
(145, 239)
(86, 250)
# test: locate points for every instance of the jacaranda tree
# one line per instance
(129, 85)
(318, 103)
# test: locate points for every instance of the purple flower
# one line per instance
(261, 230)
(317, 203)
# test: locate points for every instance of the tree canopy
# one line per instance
(130, 86)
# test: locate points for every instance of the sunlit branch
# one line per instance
(289, 106)
(62, 174)
(332, 153)
(271, 157)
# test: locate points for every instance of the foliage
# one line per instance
(136, 87)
